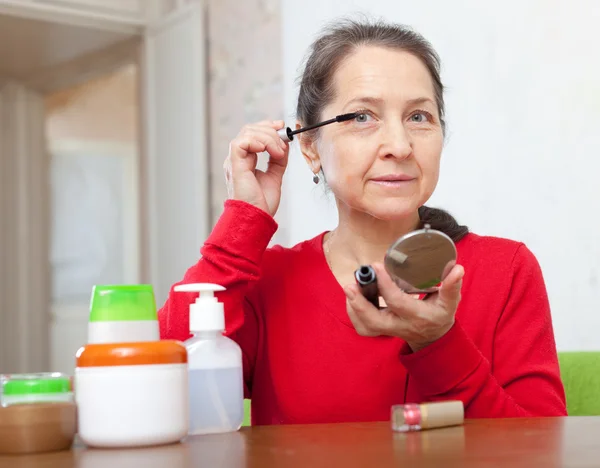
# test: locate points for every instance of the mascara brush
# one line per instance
(287, 134)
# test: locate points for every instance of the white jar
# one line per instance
(132, 394)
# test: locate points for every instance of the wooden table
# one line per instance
(506, 443)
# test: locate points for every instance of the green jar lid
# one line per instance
(112, 303)
(35, 384)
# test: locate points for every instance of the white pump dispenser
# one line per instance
(207, 313)
(216, 389)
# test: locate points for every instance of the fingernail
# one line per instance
(349, 293)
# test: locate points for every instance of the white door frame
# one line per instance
(177, 212)
(24, 267)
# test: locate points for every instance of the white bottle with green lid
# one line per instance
(216, 386)
(122, 313)
(18, 389)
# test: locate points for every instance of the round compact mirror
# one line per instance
(420, 260)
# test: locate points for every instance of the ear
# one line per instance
(309, 151)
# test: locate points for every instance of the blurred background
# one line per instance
(116, 116)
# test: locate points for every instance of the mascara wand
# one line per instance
(287, 134)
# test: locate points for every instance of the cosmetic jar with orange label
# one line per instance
(132, 394)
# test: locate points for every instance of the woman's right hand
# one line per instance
(246, 183)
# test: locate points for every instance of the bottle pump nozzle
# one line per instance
(206, 313)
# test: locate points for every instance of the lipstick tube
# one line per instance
(367, 282)
(416, 417)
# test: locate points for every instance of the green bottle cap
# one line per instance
(112, 303)
(35, 384)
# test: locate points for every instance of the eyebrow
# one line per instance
(378, 101)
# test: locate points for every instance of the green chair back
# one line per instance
(246, 413)
(580, 373)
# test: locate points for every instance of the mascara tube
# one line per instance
(417, 417)
(367, 282)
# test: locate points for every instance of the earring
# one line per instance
(316, 179)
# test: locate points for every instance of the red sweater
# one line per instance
(305, 363)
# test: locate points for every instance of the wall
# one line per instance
(104, 109)
(245, 76)
(523, 111)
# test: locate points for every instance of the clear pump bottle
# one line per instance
(216, 389)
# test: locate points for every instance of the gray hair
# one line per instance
(337, 41)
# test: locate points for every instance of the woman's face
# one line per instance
(386, 161)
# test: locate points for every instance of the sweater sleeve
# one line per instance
(230, 257)
(523, 377)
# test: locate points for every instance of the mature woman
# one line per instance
(315, 350)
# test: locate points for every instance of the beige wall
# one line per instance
(104, 109)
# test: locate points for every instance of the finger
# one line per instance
(272, 143)
(393, 296)
(448, 268)
(271, 131)
(360, 327)
(253, 142)
(368, 315)
(277, 124)
(449, 292)
(277, 167)
(271, 128)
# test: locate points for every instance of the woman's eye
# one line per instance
(419, 117)
(362, 118)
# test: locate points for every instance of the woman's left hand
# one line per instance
(418, 322)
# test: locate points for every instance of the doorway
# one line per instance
(61, 153)
(91, 193)
(92, 136)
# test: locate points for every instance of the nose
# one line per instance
(396, 141)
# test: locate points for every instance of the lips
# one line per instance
(393, 178)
